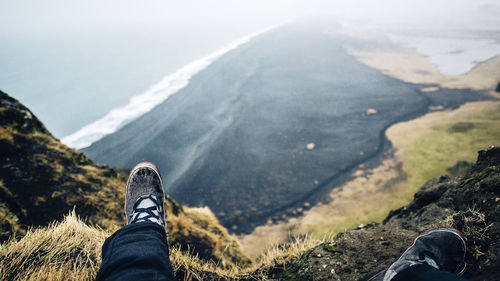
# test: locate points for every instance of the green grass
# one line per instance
(446, 142)
(428, 149)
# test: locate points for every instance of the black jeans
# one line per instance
(136, 252)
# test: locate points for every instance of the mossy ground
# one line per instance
(432, 145)
(448, 141)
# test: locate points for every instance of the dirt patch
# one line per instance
(353, 203)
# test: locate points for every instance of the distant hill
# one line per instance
(42, 180)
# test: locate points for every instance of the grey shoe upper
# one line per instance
(144, 195)
(443, 248)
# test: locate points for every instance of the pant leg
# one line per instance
(136, 252)
(424, 272)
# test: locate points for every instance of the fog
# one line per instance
(55, 15)
(66, 54)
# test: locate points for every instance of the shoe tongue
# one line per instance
(146, 202)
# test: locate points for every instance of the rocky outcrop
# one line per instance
(470, 204)
(42, 179)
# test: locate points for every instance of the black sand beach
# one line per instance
(271, 126)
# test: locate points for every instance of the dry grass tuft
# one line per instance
(473, 226)
(67, 250)
(282, 254)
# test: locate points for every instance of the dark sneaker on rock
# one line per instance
(144, 195)
(442, 248)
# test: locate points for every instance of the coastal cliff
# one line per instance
(42, 180)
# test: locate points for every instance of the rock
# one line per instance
(310, 146)
(436, 108)
(429, 89)
(370, 111)
(487, 158)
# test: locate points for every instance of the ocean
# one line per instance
(71, 79)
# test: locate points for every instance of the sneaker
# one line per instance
(442, 248)
(144, 195)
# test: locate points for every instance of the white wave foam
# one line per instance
(143, 103)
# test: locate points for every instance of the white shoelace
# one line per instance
(147, 209)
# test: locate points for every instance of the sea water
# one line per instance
(71, 79)
(453, 55)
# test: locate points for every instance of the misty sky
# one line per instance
(34, 15)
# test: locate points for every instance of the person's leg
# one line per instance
(139, 250)
(434, 255)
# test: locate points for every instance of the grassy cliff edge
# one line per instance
(42, 180)
(71, 249)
